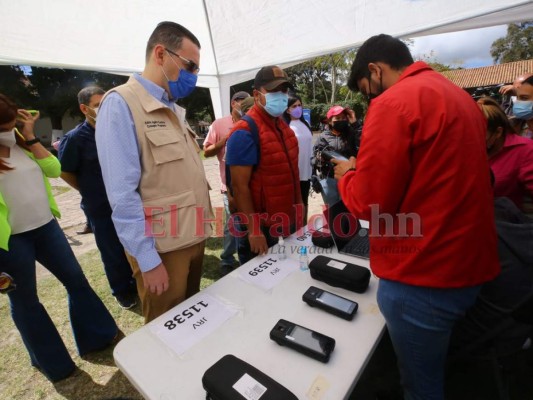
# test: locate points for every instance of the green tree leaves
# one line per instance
(517, 45)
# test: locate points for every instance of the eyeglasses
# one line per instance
(191, 65)
(6, 283)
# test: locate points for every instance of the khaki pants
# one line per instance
(184, 268)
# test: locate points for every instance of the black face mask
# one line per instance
(370, 96)
(342, 126)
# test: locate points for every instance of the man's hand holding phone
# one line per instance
(341, 167)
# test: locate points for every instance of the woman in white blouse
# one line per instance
(29, 232)
(294, 117)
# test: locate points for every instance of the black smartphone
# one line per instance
(303, 340)
(330, 302)
(327, 155)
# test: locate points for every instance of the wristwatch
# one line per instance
(33, 141)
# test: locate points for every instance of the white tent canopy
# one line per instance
(237, 36)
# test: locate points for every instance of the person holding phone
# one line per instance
(343, 138)
(29, 232)
(422, 180)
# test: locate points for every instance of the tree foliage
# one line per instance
(52, 91)
(321, 79)
(15, 85)
(517, 45)
(321, 83)
(198, 105)
(432, 60)
(57, 89)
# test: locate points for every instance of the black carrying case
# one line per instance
(219, 379)
(351, 277)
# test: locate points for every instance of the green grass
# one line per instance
(97, 377)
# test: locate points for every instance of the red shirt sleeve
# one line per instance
(383, 165)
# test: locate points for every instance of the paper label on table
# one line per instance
(318, 388)
(337, 264)
(304, 235)
(190, 321)
(267, 271)
(249, 388)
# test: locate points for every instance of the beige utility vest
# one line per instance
(173, 186)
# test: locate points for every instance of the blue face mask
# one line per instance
(523, 110)
(183, 86)
(276, 103)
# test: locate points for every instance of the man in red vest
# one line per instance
(262, 155)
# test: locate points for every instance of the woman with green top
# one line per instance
(29, 232)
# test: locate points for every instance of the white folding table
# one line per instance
(158, 372)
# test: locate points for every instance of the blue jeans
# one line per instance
(330, 192)
(420, 322)
(230, 243)
(116, 266)
(92, 325)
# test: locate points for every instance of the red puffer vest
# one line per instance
(275, 179)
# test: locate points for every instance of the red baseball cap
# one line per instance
(335, 110)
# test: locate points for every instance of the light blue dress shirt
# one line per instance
(119, 156)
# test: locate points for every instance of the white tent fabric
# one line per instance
(237, 36)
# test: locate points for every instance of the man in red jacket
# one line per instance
(422, 180)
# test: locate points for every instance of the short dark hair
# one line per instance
(379, 48)
(85, 94)
(170, 35)
(8, 110)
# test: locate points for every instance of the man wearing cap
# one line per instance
(214, 144)
(343, 138)
(263, 164)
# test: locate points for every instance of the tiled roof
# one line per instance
(487, 76)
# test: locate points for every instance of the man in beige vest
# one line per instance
(154, 177)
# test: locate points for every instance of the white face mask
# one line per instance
(7, 138)
(95, 109)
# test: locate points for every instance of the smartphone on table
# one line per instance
(304, 340)
(330, 302)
